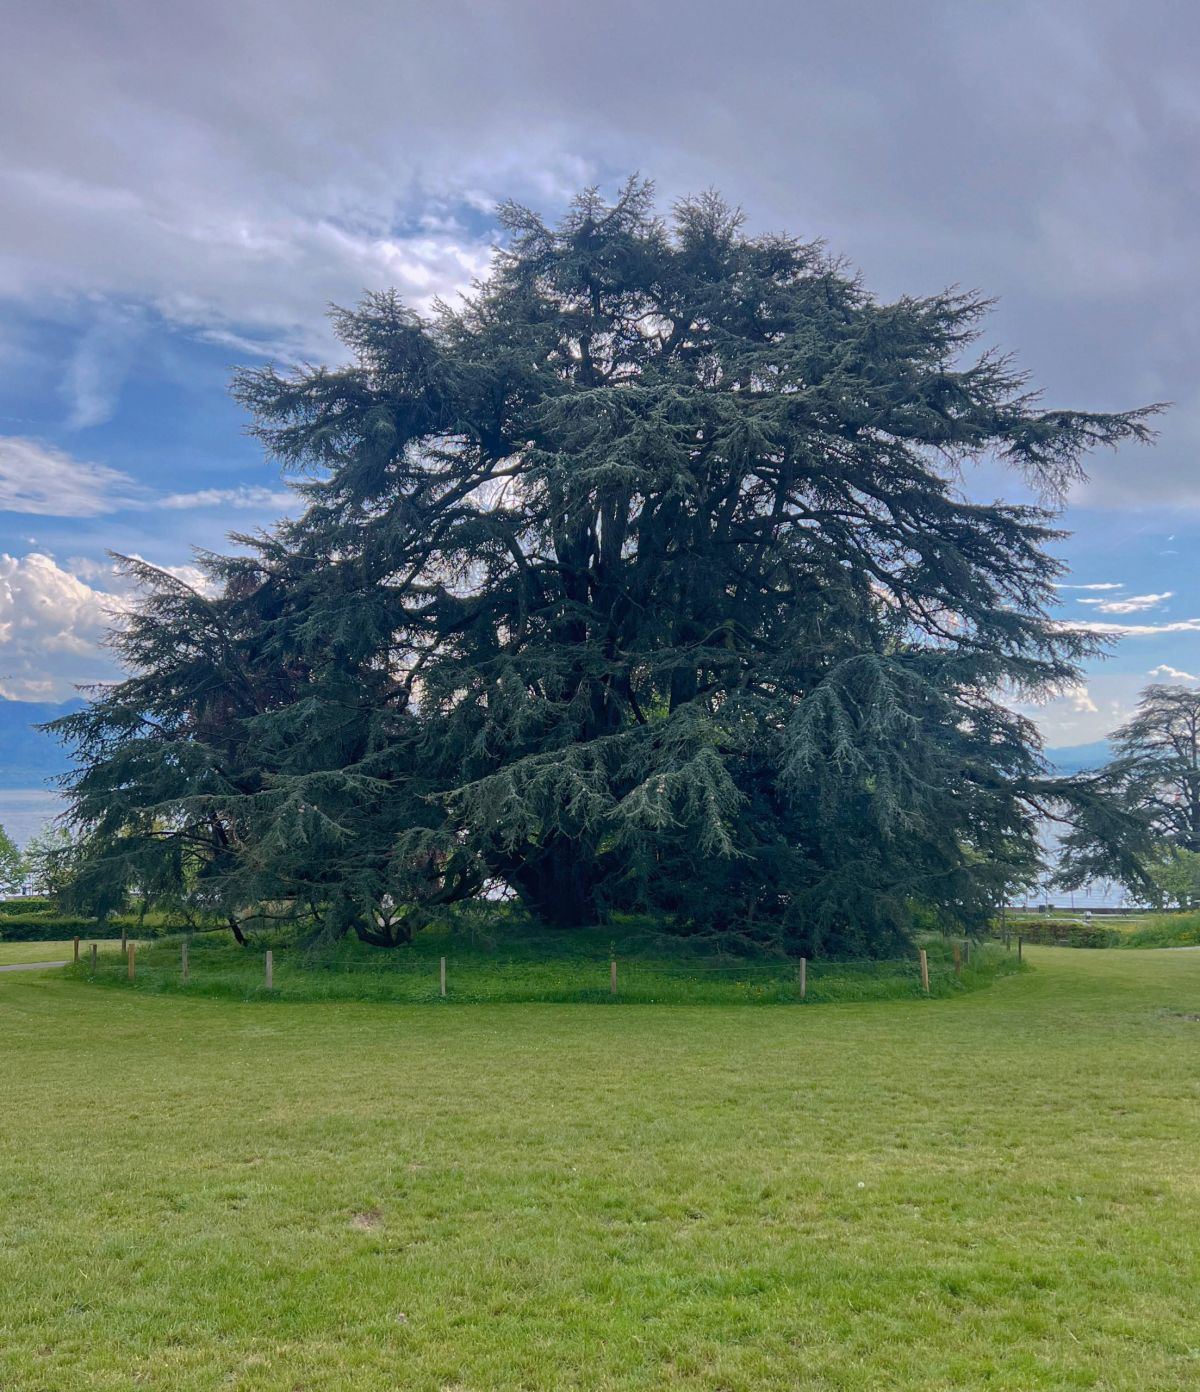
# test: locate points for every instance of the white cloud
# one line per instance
(1136, 630)
(243, 497)
(1086, 712)
(37, 479)
(117, 582)
(1081, 701)
(239, 166)
(1169, 673)
(246, 270)
(51, 626)
(1133, 605)
(1105, 585)
(99, 365)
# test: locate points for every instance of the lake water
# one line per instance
(23, 811)
(1093, 896)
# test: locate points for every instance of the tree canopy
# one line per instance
(640, 580)
(11, 864)
(1142, 824)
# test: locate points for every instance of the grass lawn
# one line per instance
(11, 952)
(997, 1190)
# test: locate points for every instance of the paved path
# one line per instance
(31, 966)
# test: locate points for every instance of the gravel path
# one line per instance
(31, 966)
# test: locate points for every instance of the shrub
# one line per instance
(1166, 930)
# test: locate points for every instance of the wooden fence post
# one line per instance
(924, 972)
(183, 962)
(803, 977)
(270, 970)
(131, 956)
(76, 951)
(1019, 941)
(612, 977)
(442, 976)
(966, 952)
(124, 940)
(93, 959)
(957, 960)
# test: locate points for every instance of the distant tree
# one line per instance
(50, 859)
(1175, 876)
(11, 864)
(1142, 821)
(640, 581)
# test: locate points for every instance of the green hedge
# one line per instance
(50, 927)
(22, 908)
(41, 922)
(1065, 932)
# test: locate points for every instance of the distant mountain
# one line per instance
(28, 758)
(1075, 758)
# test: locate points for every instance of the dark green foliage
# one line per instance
(1141, 822)
(640, 582)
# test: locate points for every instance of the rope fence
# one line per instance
(420, 979)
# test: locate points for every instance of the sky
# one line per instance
(186, 189)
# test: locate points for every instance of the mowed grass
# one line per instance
(13, 952)
(998, 1190)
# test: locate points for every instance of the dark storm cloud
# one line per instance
(236, 166)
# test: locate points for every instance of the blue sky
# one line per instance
(187, 188)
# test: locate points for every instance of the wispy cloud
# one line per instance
(1134, 604)
(40, 480)
(99, 365)
(1121, 630)
(1105, 585)
(243, 497)
(1167, 672)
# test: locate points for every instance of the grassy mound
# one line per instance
(523, 964)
